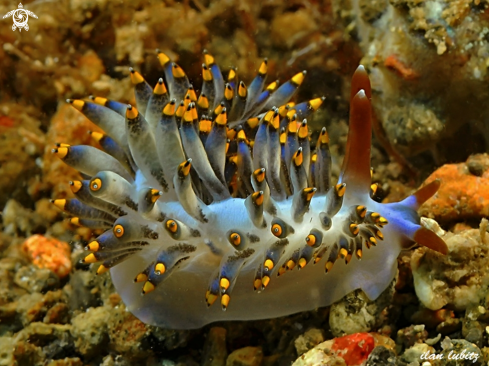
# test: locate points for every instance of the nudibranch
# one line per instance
(218, 207)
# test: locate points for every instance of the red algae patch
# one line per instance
(354, 348)
(463, 193)
(49, 253)
(394, 63)
(349, 350)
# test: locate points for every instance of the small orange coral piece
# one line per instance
(91, 66)
(49, 253)
(462, 195)
(6, 122)
(407, 73)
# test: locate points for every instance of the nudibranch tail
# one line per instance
(218, 196)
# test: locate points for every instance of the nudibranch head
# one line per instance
(221, 198)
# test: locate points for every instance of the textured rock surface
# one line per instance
(460, 278)
(428, 60)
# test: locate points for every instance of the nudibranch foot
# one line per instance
(218, 197)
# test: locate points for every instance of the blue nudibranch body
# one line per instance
(212, 204)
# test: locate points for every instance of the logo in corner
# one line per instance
(20, 17)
